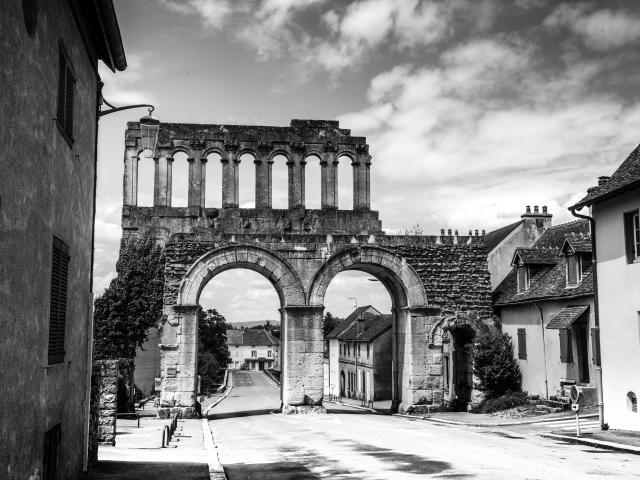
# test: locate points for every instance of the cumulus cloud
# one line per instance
(122, 88)
(600, 29)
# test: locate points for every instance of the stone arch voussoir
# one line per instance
(277, 270)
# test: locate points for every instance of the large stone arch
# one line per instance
(416, 372)
(281, 275)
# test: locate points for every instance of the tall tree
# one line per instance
(213, 352)
(329, 322)
(132, 303)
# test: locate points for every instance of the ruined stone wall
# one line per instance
(105, 378)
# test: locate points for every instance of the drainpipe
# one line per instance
(544, 352)
(596, 316)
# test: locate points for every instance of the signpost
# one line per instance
(575, 407)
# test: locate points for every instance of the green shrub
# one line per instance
(509, 400)
(494, 366)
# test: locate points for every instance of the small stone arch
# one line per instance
(284, 279)
(180, 148)
(282, 152)
(208, 151)
(393, 271)
(346, 153)
(448, 323)
(249, 151)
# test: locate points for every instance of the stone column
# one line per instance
(130, 178)
(263, 180)
(296, 180)
(169, 180)
(230, 178)
(195, 182)
(360, 182)
(302, 353)
(178, 362)
(203, 181)
(329, 181)
(162, 180)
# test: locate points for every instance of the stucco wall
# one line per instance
(619, 297)
(47, 189)
(527, 316)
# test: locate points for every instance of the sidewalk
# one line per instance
(489, 420)
(382, 406)
(618, 440)
(138, 453)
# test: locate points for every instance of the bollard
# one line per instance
(166, 436)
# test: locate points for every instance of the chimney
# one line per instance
(535, 223)
(602, 180)
(442, 232)
(449, 232)
(476, 233)
(484, 232)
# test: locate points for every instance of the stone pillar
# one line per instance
(263, 180)
(130, 178)
(361, 182)
(195, 182)
(162, 180)
(329, 180)
(296, 180)
(169, 180)
(302, 360)
(203, 181)
(178, 362)
(230, 180)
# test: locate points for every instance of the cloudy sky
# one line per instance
(472, 108)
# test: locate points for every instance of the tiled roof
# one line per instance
(627, 176)
(579, 242)
(492, 239)
(369, 328)
(337, 330)
(537, 256)
(565, 317)
(251, 336)
(547, 279)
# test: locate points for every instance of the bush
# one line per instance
(509, 400)
(495, 367)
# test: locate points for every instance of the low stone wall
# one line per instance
(106, 377)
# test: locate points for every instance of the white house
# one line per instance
(254, 349)
(614, 206)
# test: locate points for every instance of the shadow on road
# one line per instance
(117, 470)
(245, 413)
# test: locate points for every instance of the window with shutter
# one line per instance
(58, 301)
(522, 344)
(523, 278)
(632, 236)
(566, 354)
(572, 270)
(595, 347)
(66, 86)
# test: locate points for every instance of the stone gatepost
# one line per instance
(302, 362)
(179, 362)
(422, 370)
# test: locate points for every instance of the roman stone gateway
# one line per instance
(299, 251)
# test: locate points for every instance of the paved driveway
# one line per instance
(254, 443)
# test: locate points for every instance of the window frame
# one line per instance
(522, 343)
(566, 345)
(527, 283)
(574, 257)
(631, 224)
(65, 105)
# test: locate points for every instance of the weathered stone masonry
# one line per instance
(431, 280)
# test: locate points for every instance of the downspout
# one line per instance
(544, 352)
(596, 319)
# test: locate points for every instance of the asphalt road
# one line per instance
(255, 443)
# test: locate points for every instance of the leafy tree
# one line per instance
(495, 366)
(329, 322)
(132, 303)
(213, 352)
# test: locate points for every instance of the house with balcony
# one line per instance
(253, 349)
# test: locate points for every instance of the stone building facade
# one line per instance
(433, 281)
(49, 84)
(253, 349)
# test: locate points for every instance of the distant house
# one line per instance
(614, 205)
(254, 349)
(545, 304)
(359, 356)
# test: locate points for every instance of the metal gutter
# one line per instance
(111, 33)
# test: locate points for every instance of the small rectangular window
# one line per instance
(269, 354)
(632, 236)
(58, 300)
(522, 344)
(566, 353)
(358, 349)
(523, 278)
(368, 350)
(572, 270)
(66, 86)
(254, 353)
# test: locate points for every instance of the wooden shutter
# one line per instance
(566, 354)
(629, 236)
(522, 344)
(66, 95)
(595, 347)
(58, 300)
(572, 270)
